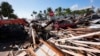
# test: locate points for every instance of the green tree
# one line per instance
(59, 11)
(40, 11)
(49, 9)
(67, 11)
(82, 11)
(73, 12)
(79, 12)
(40, 15)
(45, 14)
(7, 10)
(13, 16)
(56, 11)
(34, 12)
(89, 11)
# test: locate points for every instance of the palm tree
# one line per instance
(68, 11)
(64, 12)
(56, 11)
(49, 9)
(40, 12)
(59, 11)
(40, 15)
(45, 14)
(33, 13)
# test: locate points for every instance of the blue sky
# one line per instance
(24, 8)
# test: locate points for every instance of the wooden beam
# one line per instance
(78, 48)
(86, 42)
(79, 37)
(33, 37)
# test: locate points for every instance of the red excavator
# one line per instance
(13, 30)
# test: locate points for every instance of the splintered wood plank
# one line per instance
(87, 42)
(81, 36)
(79, 48)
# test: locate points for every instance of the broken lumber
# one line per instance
(78, 48)
(79, 37)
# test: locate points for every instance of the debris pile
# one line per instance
(78, 42)
(59, 40)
